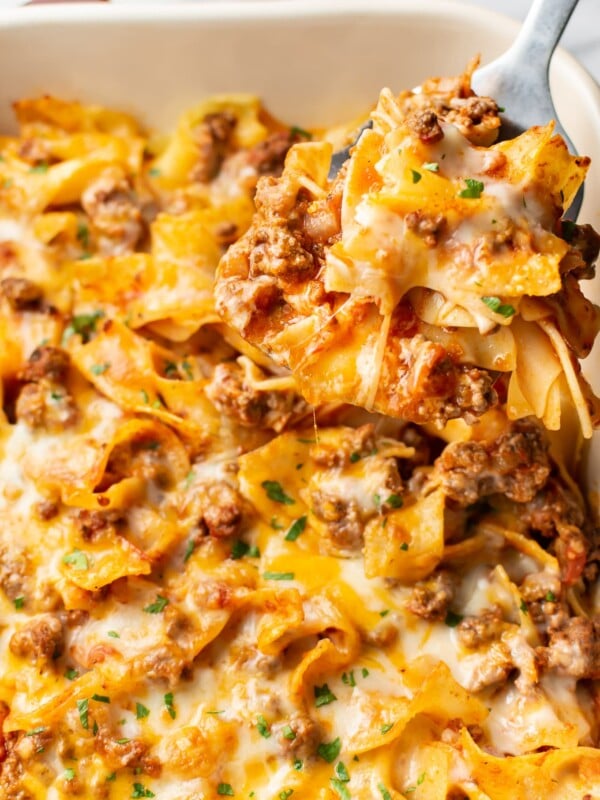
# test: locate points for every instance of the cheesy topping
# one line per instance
(210, 588)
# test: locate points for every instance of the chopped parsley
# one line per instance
(285, 793)
(187, 368)
(83, 235)
(298, 764)
(431, 166)
(339, 788)
(71, 674)
(113, 634)
(394, 501)
(189, 549)
(35, 731)
(348, 678)
(323, 695)
(145, 396)
(384, 792)
(83, 324)
(154, 172)
(225, 789)
(329, 751)
(452, 619)
(342, 772)
(387, 727)
(473, 189)
(99, 369)
(141, 711)
(377, 501)
(354, 457)
(101, 698)
(239, 549)
(289, 733)
(82, 708)
(275, 493)
(550, 597)
(189, 478)
(168, 698)
(296, 528)
(523, 607)
(307, 441)
(77, 560)
(19, 602)
(498, 307)
(159, 605)
(111, 777)
(404, 546)
(124, 740)
(69, 774)
(40, 169)
(296, 131)
(364, 672)
(416, 176)
(140, 791)
(384, 613)
(277, 526)
(262, 726)
(278, 576)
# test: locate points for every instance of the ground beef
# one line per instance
(307, 734)
(276, 251)
(342, 517)
(515, 464)
(427, 226)
(553, 507)
(431, 599)
(425, 125)
(114, 211)
(118, 754)
(212, 137)
(356, 443)
(42, 405)
(268, 157)
(474, 631)
(574, 649)
(237, 398)
(22, 294)
(223, 508)
(92, 524)
(46, 363)
(14, 566)
(39, 640)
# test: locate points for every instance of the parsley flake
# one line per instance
(394, 501)
(113, 634)
(168, 698)
(329, 751)
(83, 324)
(77, 560)
(189, 549)
(71, 674)
(19, 602)
(404, 546)
(354, 457)
(101, 698)
(550, 597)
(298, 764)
(278, 576)
(473, 189)
(416, 176)
(452, 619)
(384, 613)
(139, 790)
(262, 726)
(111, 777)
(523, 607)
(69, 774)
(275, 493)
(384, 792)
(154, 172)
(296, 529)
(141, 711)
(82, 708)
(99, 369)
(498, 307)
(387, 727)
(364, 672)
(339, 788)
(83, 235)
(40, 169)
(342, 772)
(225, 789)
(239, 549)
(432, 166)
(348, 678)
(285, 793)
(159, 605)
(289, 733)
(277, 526)
(296, 131)
(323, 695)
(35, 731)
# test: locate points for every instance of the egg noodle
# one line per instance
(222, 574)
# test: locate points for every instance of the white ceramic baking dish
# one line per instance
(312, 63)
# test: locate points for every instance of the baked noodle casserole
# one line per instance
(288, 504)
